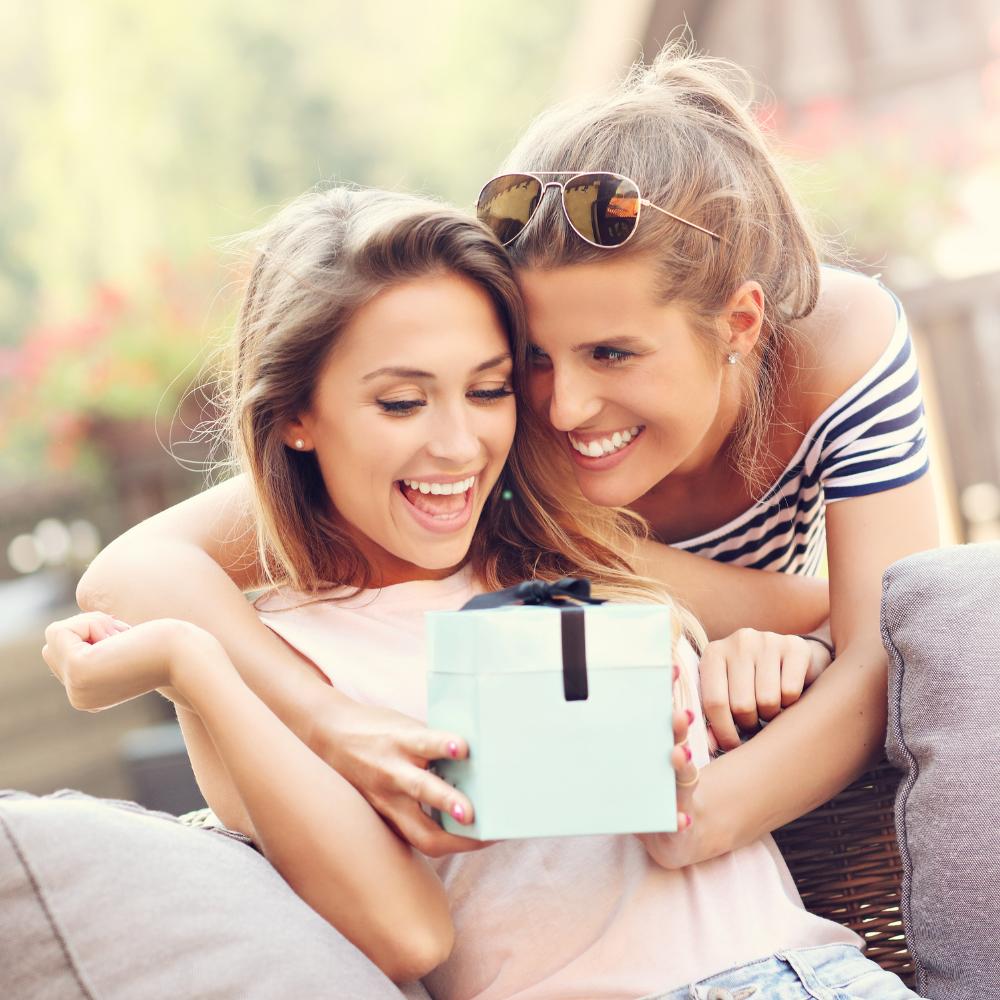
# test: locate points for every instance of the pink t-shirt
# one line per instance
(557, 918)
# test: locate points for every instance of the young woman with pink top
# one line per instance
(379, 351)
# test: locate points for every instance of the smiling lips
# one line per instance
(443, 502)
(600, 447)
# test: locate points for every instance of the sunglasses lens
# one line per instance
(507, 203)
(602, 208)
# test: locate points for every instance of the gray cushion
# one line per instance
(107, 901)
(941, 628)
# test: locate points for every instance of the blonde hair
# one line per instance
(683, 130)
(317, 263)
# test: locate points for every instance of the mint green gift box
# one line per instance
(566, 709)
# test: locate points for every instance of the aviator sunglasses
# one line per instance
(602, 208)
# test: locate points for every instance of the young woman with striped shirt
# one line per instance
(700, 366)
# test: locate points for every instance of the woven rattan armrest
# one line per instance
(845, 862)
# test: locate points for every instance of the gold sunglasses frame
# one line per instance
(572, 175)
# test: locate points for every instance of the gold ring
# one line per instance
(689, 784)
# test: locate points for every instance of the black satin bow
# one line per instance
(560, 593)
(568, 595)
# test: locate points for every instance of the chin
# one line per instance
(610, 494)
(437, 558)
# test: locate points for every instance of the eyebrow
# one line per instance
(418, 373)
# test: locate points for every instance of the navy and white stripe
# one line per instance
(872, 438)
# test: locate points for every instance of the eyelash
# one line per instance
(491, 394)
(619, 356)
(404, 407)
(616, 356)
(399, 405)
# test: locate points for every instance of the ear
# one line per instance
(296, 436)
(742, 318)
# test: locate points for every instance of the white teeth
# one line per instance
(440, 489)
(605, 446)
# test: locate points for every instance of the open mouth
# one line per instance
(611, 444)
(439, 506)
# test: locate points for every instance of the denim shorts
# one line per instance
(827, 972)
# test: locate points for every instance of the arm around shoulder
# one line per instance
(725, 598)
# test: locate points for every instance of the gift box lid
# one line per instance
(528, 639)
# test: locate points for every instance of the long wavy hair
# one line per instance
(316, 263)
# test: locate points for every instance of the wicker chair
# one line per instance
(844, 860)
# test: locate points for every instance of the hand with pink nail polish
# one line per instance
(389, 758)
(683, 847)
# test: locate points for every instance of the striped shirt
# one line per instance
(872, 438)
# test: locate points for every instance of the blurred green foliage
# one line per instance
(136, 137)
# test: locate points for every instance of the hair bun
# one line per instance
(717, 87)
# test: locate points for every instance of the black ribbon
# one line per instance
(568, 595)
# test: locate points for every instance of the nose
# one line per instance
(573, 402)
(455, 439)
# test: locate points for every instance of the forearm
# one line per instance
(725, 598)
(801, 759)
(166, 578)
(317, 830)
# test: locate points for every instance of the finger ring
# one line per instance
(691, 783)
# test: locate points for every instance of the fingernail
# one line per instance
(452, 749)
(690, 715)
(120, 623)
(687, 821)
(677, 671)
(458, 812)
(687, 754)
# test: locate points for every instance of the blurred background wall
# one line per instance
(135, 139)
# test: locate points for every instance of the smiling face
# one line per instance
(636, 391)
(411, 421)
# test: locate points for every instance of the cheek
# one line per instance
(352, 465)
(346, 491)
(495, 429)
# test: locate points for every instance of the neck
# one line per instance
(403, 572)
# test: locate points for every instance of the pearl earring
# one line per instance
(299, 443)
(732, 357)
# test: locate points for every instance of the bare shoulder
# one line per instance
(842, 338)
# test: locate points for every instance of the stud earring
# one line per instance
(732, 357)
(299, 443)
